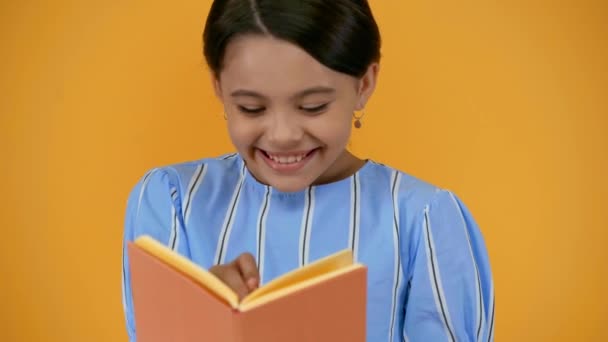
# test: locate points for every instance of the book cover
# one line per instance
(176, 300)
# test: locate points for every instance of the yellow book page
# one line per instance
(312, 271)
(285, 291)
(198, 274)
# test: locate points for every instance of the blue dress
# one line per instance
(429, 276)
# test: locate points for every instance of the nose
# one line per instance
(284, 131)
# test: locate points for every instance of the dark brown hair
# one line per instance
(340, 34)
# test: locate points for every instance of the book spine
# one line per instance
(238, 333)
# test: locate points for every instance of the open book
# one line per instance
(176, 300)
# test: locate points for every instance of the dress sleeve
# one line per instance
(153, 209)
(450, 290)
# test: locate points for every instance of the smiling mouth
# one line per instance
(287, 161)
(287, 158)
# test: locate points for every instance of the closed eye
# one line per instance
(315, 109)
(251, 110)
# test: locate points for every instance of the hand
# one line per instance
(241, 275)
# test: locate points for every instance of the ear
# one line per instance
(217, 88)
(367, 85)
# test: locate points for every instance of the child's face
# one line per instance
(289, 116)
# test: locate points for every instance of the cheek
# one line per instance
(335, 132)
(241, 134)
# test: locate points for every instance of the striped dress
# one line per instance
(429, 276)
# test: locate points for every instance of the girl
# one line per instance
(292, 76)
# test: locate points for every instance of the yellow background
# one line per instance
(506, 104)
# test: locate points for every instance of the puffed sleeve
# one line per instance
(153, 208)
(451, 294)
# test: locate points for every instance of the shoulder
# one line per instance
(412, 196)
(408, 191)
(175, 179)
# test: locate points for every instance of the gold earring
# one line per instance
(225, 118)
(358, 118)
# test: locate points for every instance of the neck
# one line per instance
(345, 166)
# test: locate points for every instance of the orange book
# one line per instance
(175, 300)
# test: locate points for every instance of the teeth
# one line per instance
(287, 159)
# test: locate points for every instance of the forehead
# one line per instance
(275, 67)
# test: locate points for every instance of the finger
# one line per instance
(249, 270)
(231, 276)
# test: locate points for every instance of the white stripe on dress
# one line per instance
(262, 232)
(124, 283)
(395, 183)
(174, 236)
(222, 243)
(355, 208)
(491, 334)
(305, 227)
(193, 185)
(435, 277)
(229, 156)
(195, 182)
(144, 184)
(142, 190)
(480, 310)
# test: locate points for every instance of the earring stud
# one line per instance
(358, 118)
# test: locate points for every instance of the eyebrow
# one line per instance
(301, 94)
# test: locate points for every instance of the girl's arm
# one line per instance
(450, 290)
(153, 208)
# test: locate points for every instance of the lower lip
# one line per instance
(287, 168)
